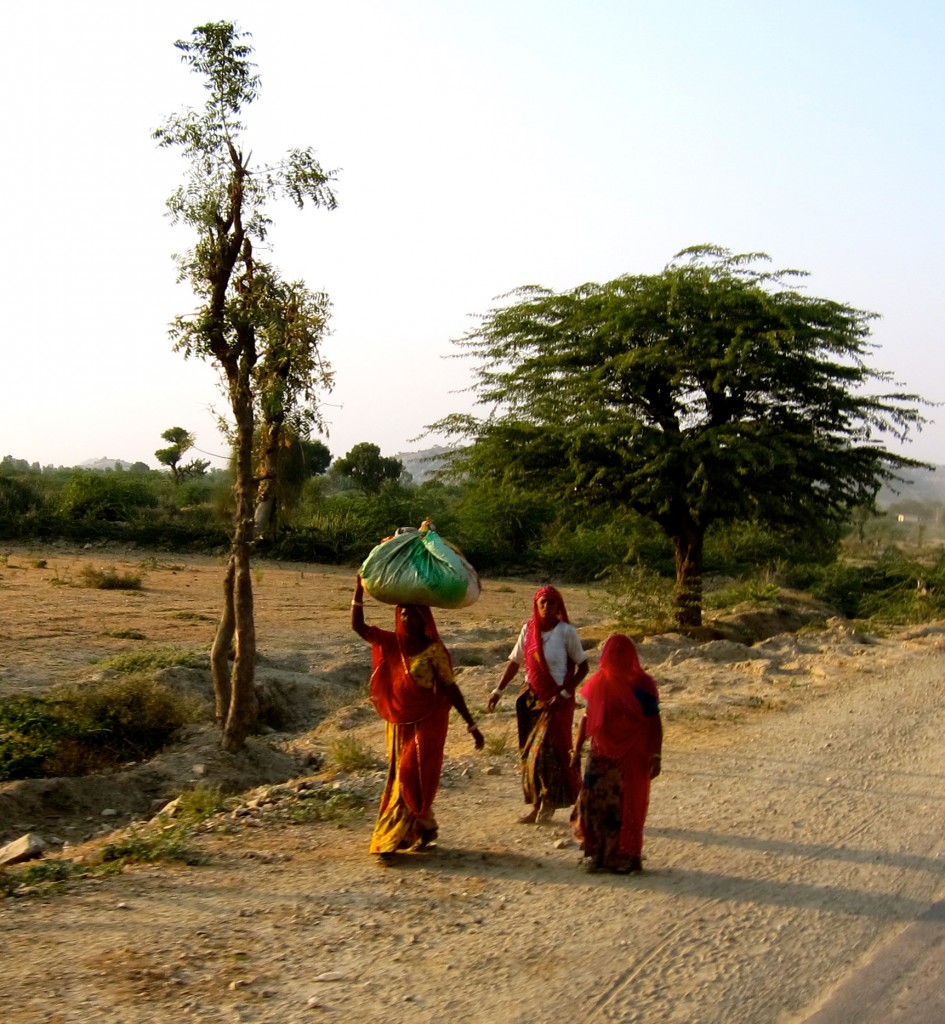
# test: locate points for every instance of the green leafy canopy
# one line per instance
(714, 390)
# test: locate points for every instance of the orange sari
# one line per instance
(410, 694)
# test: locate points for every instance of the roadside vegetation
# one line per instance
(79, 729)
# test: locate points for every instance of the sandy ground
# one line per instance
(797, 830)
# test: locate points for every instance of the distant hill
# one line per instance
(919, 485)
(422, 465)
(105, 463)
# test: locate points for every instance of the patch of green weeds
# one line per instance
(201, 802)
(148, 845)
(341, 807)
(191, 617)
(349, 754)
(126, 634)
(45, 875)
(757, 591)
(497, 744)
(151, 661)
(76, 730)
(108, 579)
(151, 563)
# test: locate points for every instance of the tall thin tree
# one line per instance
(263, 334)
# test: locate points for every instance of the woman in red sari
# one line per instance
(413, 689)
(555, 663)
(626, 733)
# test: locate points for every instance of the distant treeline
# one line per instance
(328, 518)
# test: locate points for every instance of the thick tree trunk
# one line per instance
(687, 544)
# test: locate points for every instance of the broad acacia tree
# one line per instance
(710, 392)
(262, 333)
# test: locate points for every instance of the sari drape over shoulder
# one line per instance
(545, 720)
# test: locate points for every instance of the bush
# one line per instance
(108, 579)
(76, 730)
(349, 754)
(894, 589)
(108, 497)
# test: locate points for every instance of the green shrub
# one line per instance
(108, 579)
(497, 744)
(349, 754)
(109, 497)
(338, 806)
(76, 730)
(641, 600)
(30, 733)
(200, 803)
(757, 590)
(894, 589)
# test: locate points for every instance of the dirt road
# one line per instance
(784, 853)
(776, 866)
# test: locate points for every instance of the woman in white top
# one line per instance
(555, 663)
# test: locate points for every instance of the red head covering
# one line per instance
(393, 691)
(615, 696)
(539, 676)
(429, 623)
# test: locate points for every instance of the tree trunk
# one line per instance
(222, 648)
(243, 705)
(267, 494)
(687, 545)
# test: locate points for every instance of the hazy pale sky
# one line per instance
(480, 146)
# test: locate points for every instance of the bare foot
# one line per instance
(530, 818)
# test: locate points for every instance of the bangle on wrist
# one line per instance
(357, 604)
(656, 757)
(497, 692)
(471, 727)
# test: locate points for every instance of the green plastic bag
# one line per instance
(419, 567)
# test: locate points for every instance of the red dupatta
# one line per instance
(394, 692)
(616, 721)
(540, 680)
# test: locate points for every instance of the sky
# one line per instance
(480, 146)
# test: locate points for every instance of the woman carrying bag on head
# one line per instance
(413, 689)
